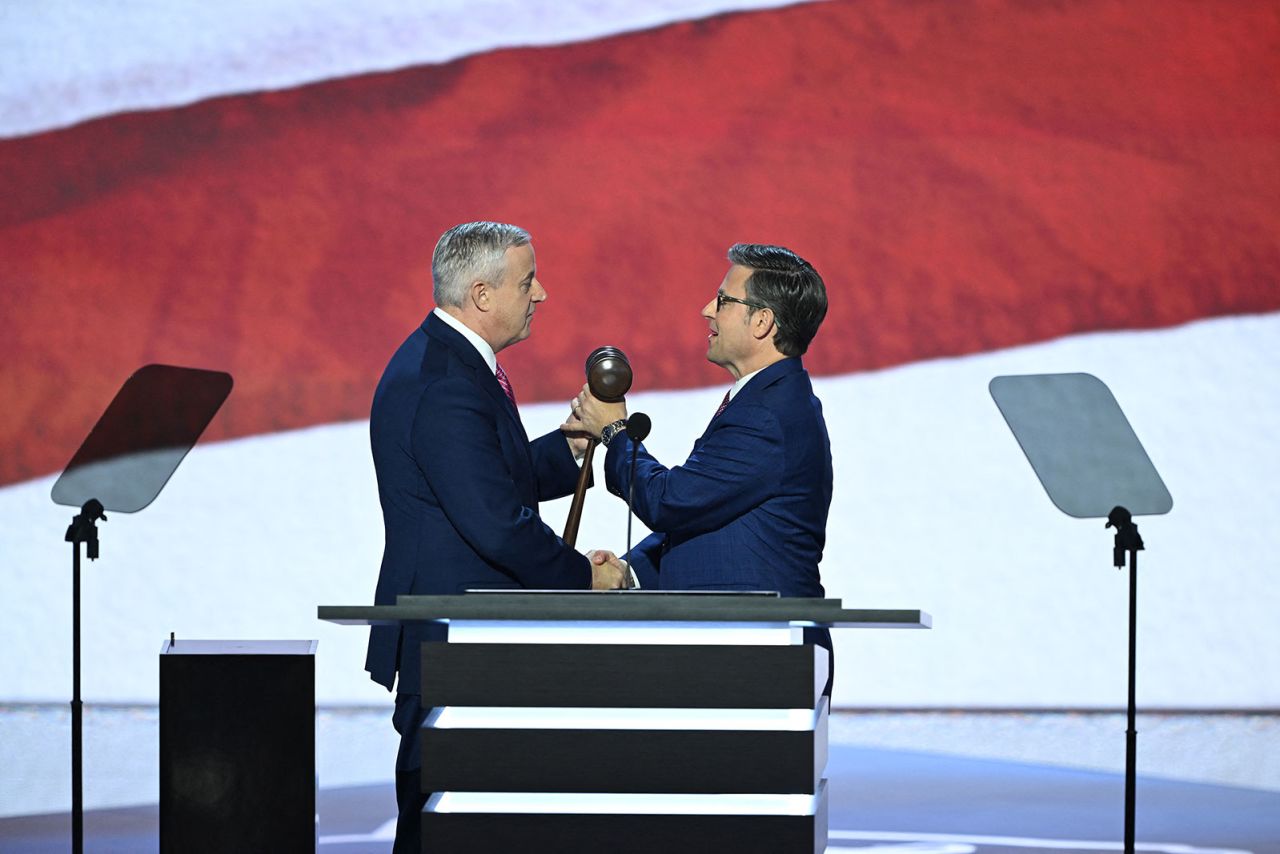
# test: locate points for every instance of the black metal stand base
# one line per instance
(83, 529)
(1129, 542)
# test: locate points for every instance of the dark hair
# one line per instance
(788, 285)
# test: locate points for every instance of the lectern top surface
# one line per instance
(183, 646)
(514, 605)
(735, 594)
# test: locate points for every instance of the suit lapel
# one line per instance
(465, 352)
(442, 332)
(755, 388)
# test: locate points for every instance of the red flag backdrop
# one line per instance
(966, 177)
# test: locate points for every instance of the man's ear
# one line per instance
(762, 324)
(480, 296)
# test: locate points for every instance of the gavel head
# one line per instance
(608, 374)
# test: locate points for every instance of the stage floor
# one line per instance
(912, 802)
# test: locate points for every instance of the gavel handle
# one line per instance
(579, 495)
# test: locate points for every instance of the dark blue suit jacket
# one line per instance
(748, 509)
(459, 483)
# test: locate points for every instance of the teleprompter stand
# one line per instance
(124, 462)
(1092, 465)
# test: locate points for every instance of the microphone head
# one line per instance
(608, 374)
(638, 427)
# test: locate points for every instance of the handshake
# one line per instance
(608, 571)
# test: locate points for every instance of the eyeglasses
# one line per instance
(722, 298)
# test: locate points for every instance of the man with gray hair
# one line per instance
(458, 478)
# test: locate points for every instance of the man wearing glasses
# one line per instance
(748, 509)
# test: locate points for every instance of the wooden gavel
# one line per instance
(609, 378)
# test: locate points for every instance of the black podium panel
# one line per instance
(237, 747)
(633, 761)
(620, 676)
(630, 722)
(625, 833)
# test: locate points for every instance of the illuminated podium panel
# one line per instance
(629, 721)
(620, 824)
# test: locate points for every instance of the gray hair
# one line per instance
(471, 252)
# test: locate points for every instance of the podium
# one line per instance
(625, 721)
(237, 746)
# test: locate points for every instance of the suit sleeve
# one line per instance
(455, 440)
(734, 469)
(554, 466)
(645, 559)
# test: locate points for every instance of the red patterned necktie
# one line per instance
(723, 404)
(505, 383)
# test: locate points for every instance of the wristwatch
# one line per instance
(611, 430)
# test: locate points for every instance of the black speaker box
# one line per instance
(237, 747)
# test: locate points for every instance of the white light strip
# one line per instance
(497, 717)
(602, 632)
(913, 840)
(597, 803)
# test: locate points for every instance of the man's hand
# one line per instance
(594, 414)
(608, 571)
(575, 435)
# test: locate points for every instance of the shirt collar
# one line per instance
(737, 387)
(482, 346)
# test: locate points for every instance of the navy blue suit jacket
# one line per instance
(748, 509)
(459, 483)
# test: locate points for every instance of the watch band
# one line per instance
(611, 430)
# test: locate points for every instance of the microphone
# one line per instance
(638, 427)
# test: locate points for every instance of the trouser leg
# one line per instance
(822, 638)
(410, 798)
